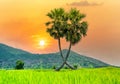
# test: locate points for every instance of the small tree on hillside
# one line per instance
(19, 64)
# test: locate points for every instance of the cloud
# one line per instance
(84, 3)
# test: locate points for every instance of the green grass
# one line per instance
(108, 75)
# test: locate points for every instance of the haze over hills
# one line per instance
(9, 55)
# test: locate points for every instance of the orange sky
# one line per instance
(22, 26)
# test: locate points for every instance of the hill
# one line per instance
(9, 55)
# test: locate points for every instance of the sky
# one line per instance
(22, 25)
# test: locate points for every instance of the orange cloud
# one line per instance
(84, 3)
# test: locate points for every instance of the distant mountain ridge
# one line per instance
(9, 55)
(11, 49)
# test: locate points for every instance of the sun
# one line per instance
(42, 43)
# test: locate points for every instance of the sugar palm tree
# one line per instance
(75, 30)
(57, 25)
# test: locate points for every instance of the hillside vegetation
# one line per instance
(9, 56)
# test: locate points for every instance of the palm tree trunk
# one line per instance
(64, 60)
(69, 65)
(68, 52)
(59, 44)
(58, 69)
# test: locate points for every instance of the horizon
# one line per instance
(22, 25)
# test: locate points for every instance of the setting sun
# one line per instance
(42, 43)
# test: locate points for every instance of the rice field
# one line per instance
(108, 75)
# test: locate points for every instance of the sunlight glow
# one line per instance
(42, 43)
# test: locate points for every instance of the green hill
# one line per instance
(9, 55)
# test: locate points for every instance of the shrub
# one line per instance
(19, 64)
(66, 67)
(54, 67)
(75, 66)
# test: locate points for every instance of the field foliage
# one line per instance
(107, 75)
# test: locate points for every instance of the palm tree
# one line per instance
(75, 30)
(57, 25)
